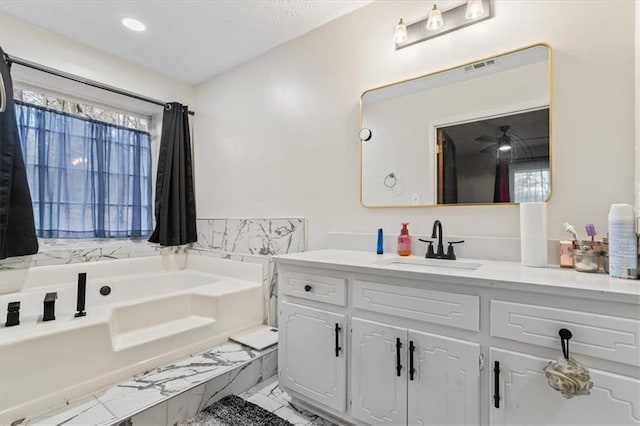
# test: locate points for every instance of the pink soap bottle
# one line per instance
(404, 241)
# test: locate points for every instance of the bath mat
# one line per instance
(235, 411)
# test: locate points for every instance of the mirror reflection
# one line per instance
(477, 133)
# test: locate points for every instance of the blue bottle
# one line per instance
(380, 249)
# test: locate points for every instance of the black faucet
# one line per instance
(82, 295)
(50, 306)
(439, 254)
(437, 233)
(13, 314)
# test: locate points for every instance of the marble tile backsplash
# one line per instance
(253, 240)
(60, 253)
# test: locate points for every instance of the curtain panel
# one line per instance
(175, 204)
(17, 232)
(88, 179)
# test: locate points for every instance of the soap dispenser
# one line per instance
(404, 241)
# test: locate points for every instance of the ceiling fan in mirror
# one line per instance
(509, 142)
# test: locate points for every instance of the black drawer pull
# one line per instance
(412, 370)
(398, 364)
(496, 384)
(337, 347)
(307, 287)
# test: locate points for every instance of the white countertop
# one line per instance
(554, 280)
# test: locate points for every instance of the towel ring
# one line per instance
(390, 180)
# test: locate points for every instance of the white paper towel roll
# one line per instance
(533, 234)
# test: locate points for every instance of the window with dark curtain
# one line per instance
(88, 179)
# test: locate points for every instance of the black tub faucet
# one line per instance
(50, 307)
(13, 314)
(82, 295)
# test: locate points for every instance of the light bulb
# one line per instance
(434, 22)
(133, 24)
(400, 35)
(474, 9)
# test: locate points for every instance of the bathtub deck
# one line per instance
(166, 395)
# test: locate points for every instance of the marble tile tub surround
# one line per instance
(169, 394)
(61, 252)
(254, 240)
(482, 248)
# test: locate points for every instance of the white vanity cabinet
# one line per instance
(312, 345)
(520, 393)
(464, 348)
(401, 376)
(312, 355)
(523, 396)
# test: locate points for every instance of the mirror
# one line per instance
(478, 133)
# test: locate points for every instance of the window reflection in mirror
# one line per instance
(496, 160)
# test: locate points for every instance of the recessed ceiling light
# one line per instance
(133, 24)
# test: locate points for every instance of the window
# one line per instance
(530, 182)
(89, 169)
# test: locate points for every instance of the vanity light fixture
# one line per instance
(474, 9)
(441, 22)
(400, 34)
(133, 24)
(434, 21)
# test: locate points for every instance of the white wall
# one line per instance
(44, 47)
(278, 136)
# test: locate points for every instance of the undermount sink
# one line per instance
(426, 265)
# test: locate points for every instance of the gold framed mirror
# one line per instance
(477, 133)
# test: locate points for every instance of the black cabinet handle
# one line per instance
(307, 287)
(496, 384)
(398, 364)
(337, 347)
(412, 370)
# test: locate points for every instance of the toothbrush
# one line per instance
(591, 230)
(570, 229)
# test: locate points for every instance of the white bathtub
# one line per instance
(156, 312)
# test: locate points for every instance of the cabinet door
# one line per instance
(445, 386)
(527, 399)
(378, 390)
(308, 361)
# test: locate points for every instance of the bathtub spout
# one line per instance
(82, 295)
(50, 307)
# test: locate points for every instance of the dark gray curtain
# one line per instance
(175, 204)
(17, 228)
(450, 172)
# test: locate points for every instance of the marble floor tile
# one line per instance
(154, 416)
(87, 411)
(292, 416)
(265, 402)
(268, 395)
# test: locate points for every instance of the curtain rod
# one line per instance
(78, 79)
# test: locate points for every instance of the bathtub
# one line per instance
(158, 309)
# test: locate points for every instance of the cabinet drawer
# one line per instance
(315, 287)
(601, 336)
(452, 309)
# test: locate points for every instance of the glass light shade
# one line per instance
(505, 147)
(133, 24)
(474, 9)
(435, 19)
(400, 35)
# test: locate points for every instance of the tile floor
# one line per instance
(269, 396)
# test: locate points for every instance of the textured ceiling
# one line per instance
(188, 40)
